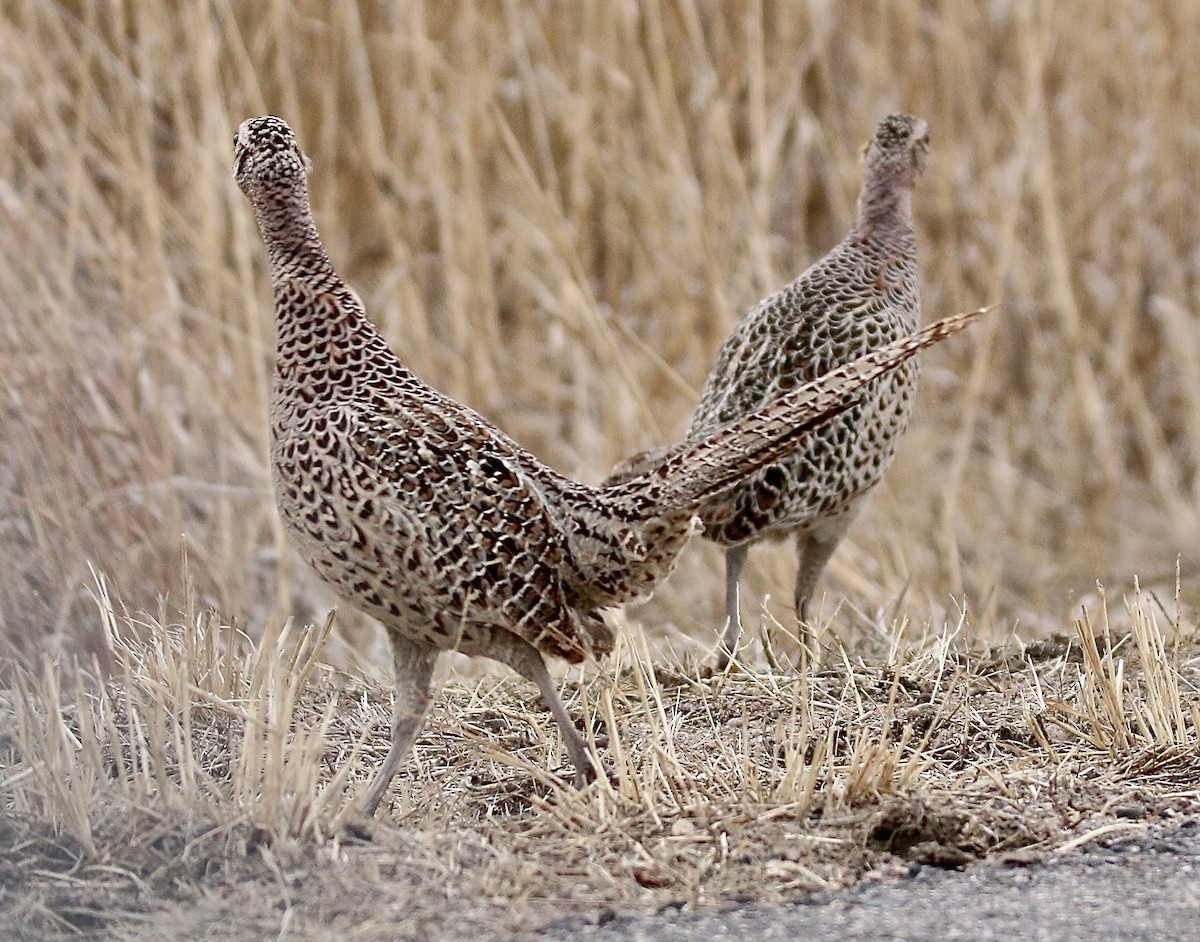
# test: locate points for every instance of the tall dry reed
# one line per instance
(556, 211)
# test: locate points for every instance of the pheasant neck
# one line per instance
(286, 222)
(885, 205)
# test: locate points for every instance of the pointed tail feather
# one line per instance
(689, 474)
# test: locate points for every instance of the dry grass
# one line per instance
(556, 211)
(211, 776)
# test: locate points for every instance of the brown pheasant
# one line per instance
(421, 513)
(862, 295)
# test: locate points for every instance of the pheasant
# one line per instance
(422, 514)
(861, 296)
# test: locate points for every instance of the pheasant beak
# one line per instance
(920, 149)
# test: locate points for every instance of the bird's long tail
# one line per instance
(685, 476)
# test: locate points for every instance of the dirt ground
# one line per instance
(1136, 884)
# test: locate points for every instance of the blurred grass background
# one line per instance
(556, 211)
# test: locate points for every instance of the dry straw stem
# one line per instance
(212, 766)
(194, 713)
(1159, 715)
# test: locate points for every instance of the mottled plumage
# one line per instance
(862, 295)
(421, 513)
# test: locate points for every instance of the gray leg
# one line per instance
(526, 661)
(414, 663)
(735, 560)
(812, 553)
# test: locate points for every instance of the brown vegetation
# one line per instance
(205, 786)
